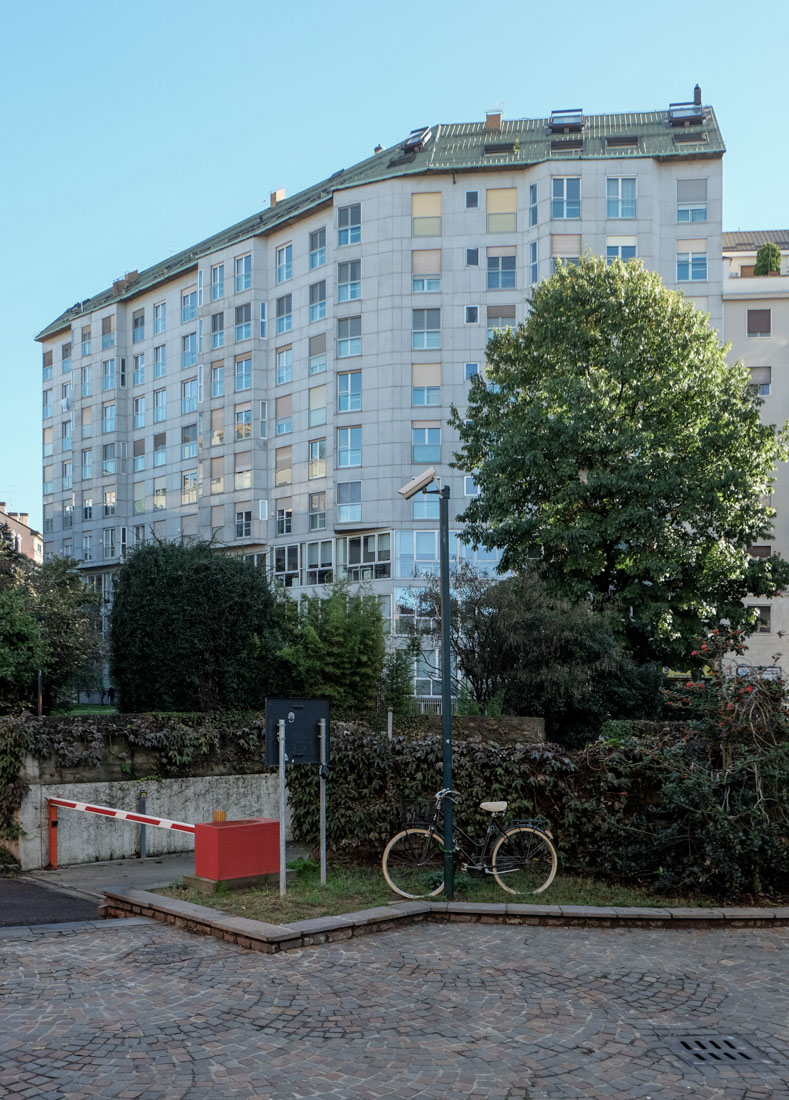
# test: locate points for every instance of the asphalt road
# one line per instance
(23, 902)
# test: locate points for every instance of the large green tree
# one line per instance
(615, 445)
(193, 629)
(70, 616)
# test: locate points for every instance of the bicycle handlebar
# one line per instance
(446, 792)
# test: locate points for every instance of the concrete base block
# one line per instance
(250, 882)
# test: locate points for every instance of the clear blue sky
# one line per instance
(134, 130)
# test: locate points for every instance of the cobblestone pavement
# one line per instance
(135, 1009)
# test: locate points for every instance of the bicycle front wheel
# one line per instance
(524, 861)
(413, 863)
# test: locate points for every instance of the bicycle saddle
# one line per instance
(493, 807)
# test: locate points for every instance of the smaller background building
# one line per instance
(26, 540)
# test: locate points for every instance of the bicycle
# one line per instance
(523, 859)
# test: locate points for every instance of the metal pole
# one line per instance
(322, 728)
(389, 716)
(282, 871)
(40, 693)
(141, 800)
(446, 696)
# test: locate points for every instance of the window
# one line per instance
(65, 358)
(502, 205)
(242, 470)
(283, 466)
(244, 322)
(621, 197)
(472, 200)
(188, 396)
(691, 200)
(108, 542)
(159, 494)
(316, 362)
(426, 442)
(217, 427)
(418, 552)
(243, 523)
(263, 321)
(139, 412)
(284, 367)
(243, 374)
(470, 487)
(138, 377)
(317, 458)
(284, 313)
(349, 391)
(286, 565)
(691, 260)
(49, 480)
(319, 562)
(189, 350)
(501, 268)
(471, 370)
(243, 272)
(426, 384)
(425, 328)
(425, 506)
(284, 512)
(349, 224)
(217, 475)
(533, 262)
(47, 408)
(218, 329)
(761, 380)
(47, 367)
(87, 466)
(110, 501)
(500, 317)
(138, 498)
(189, 487)
(87, 507)
(159, 405)
(318, 300)
(317, 406)
(620, 248)
(86, 339)
(138, 455)
(566, 201)
(108, 417)
(349, 502)
(763, 619)
(159, 449)
(87, 546)
(472, 257)
(532, 204)
(217, 379)
(159, 361)
(284, 269)
(471, 315)
(565, 247)
(138, 326)
(317, 248)
(108, 374)
(283, 414)
(349, 281)
(426, 270)
(189, 441)
(217, 282)
(107, 332)
(159, 318)
(759, 322)
(67, 474)
(317, 511)
(349, 337)
(65, 431)
(188, 306)
(349, 447)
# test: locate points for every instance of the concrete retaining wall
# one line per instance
(86, 838)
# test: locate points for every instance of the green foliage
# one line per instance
(335, 647)
(768, 259)
(397, 681)
(620, 449)
(21, 649)
(15, 741)
(193, 629)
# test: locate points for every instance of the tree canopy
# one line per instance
(768, 259)
(616, 446)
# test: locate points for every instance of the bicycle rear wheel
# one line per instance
(413, 863)
(524, 861)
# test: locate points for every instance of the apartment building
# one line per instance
(756, 324)
(24, 538)
(272, 387)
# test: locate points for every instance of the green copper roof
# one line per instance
(467, 147)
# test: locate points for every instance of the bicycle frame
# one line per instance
(476, 857)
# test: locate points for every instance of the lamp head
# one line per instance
(418, 484)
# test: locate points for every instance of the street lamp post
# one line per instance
(420, 485)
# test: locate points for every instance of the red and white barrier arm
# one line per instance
(104, 811)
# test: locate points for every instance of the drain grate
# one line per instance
(710, 1050)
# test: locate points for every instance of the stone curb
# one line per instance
(271, 938)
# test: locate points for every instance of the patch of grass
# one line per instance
(351, 888)
(92, 708)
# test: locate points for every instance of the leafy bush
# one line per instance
(768, 259)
